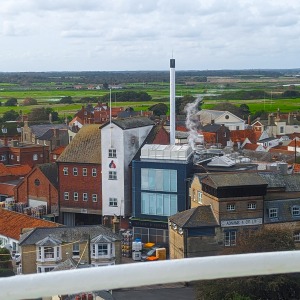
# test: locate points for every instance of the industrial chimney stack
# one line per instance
(172, 101)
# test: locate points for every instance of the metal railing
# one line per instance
(147, 273)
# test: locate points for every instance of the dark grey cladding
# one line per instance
(172, 63)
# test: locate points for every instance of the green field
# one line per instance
(47, 94)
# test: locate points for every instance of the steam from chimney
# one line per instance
(192, 122)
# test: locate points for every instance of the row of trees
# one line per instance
(271, 287)
(14, 102)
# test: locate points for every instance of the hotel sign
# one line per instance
(243, 222)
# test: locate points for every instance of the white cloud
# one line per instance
(134, 34)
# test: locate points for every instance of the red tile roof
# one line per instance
(241, 135)
(58, 150)
(11, 223)
(292, 144)
(20, 170)
(7, 189)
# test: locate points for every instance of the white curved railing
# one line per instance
(147, 273)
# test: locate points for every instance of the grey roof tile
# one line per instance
(67, 234)
(201, 216)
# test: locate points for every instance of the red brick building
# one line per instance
(40, 187)
(79, 173)
(24, 154)
(216, 134)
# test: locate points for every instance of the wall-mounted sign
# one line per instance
(243, 222)
(112, 165)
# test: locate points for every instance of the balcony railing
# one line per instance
(148, 273)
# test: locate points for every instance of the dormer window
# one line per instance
(49, 253)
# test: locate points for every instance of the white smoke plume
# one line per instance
(192, 121)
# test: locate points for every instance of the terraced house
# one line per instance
(44, 249)
(79, 176)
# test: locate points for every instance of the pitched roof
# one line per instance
(16, 170)
(58, 150)
(149, 139)
(68, 234)
(241, 135)
(7, 188)
(50, 171)
(291, 182)
(85, 146)
(201, 216)
(132, 122)
(233, 179)
(211, 128)
(40, 130)
(11, 223)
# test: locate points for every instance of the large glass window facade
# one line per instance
(158, 204)
(159, 180)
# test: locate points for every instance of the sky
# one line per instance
(130, 35)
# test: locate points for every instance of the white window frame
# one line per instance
(94, 172)
(84, 171)
(273, 213)
(66, 196)
(230, 207)
(295, 211)
(75, 171)
(230, 238)
(35, 157)
(297, 237)
(251, 205)
(47, 253)
(76, 250)
(75, 196)
(66, 171)
(95, 250)
(85, 197)
(112, 153)
(113, 202)
(94, 197)
(44, 269)
(112, 175)
(200, 197)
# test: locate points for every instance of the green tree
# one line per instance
(66, 100)
(272, 287)
(11, 102)
(29, 101)
(10, 115)
(180, 104)
(159, 109)
(38, 114)
(6, 267)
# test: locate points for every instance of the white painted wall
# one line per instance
(127, 143)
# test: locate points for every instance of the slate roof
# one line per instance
(50, 171)
(11, 223)
(85, 146)
(211, 128)
(132, 122)
(201, 216)
(68, 234)
(291, 182)
(40, 130)
(233, 179)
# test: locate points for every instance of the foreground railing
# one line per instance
(147, 273)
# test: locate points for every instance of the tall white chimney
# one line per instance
(172, 101)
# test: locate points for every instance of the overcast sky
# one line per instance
(117, 35)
